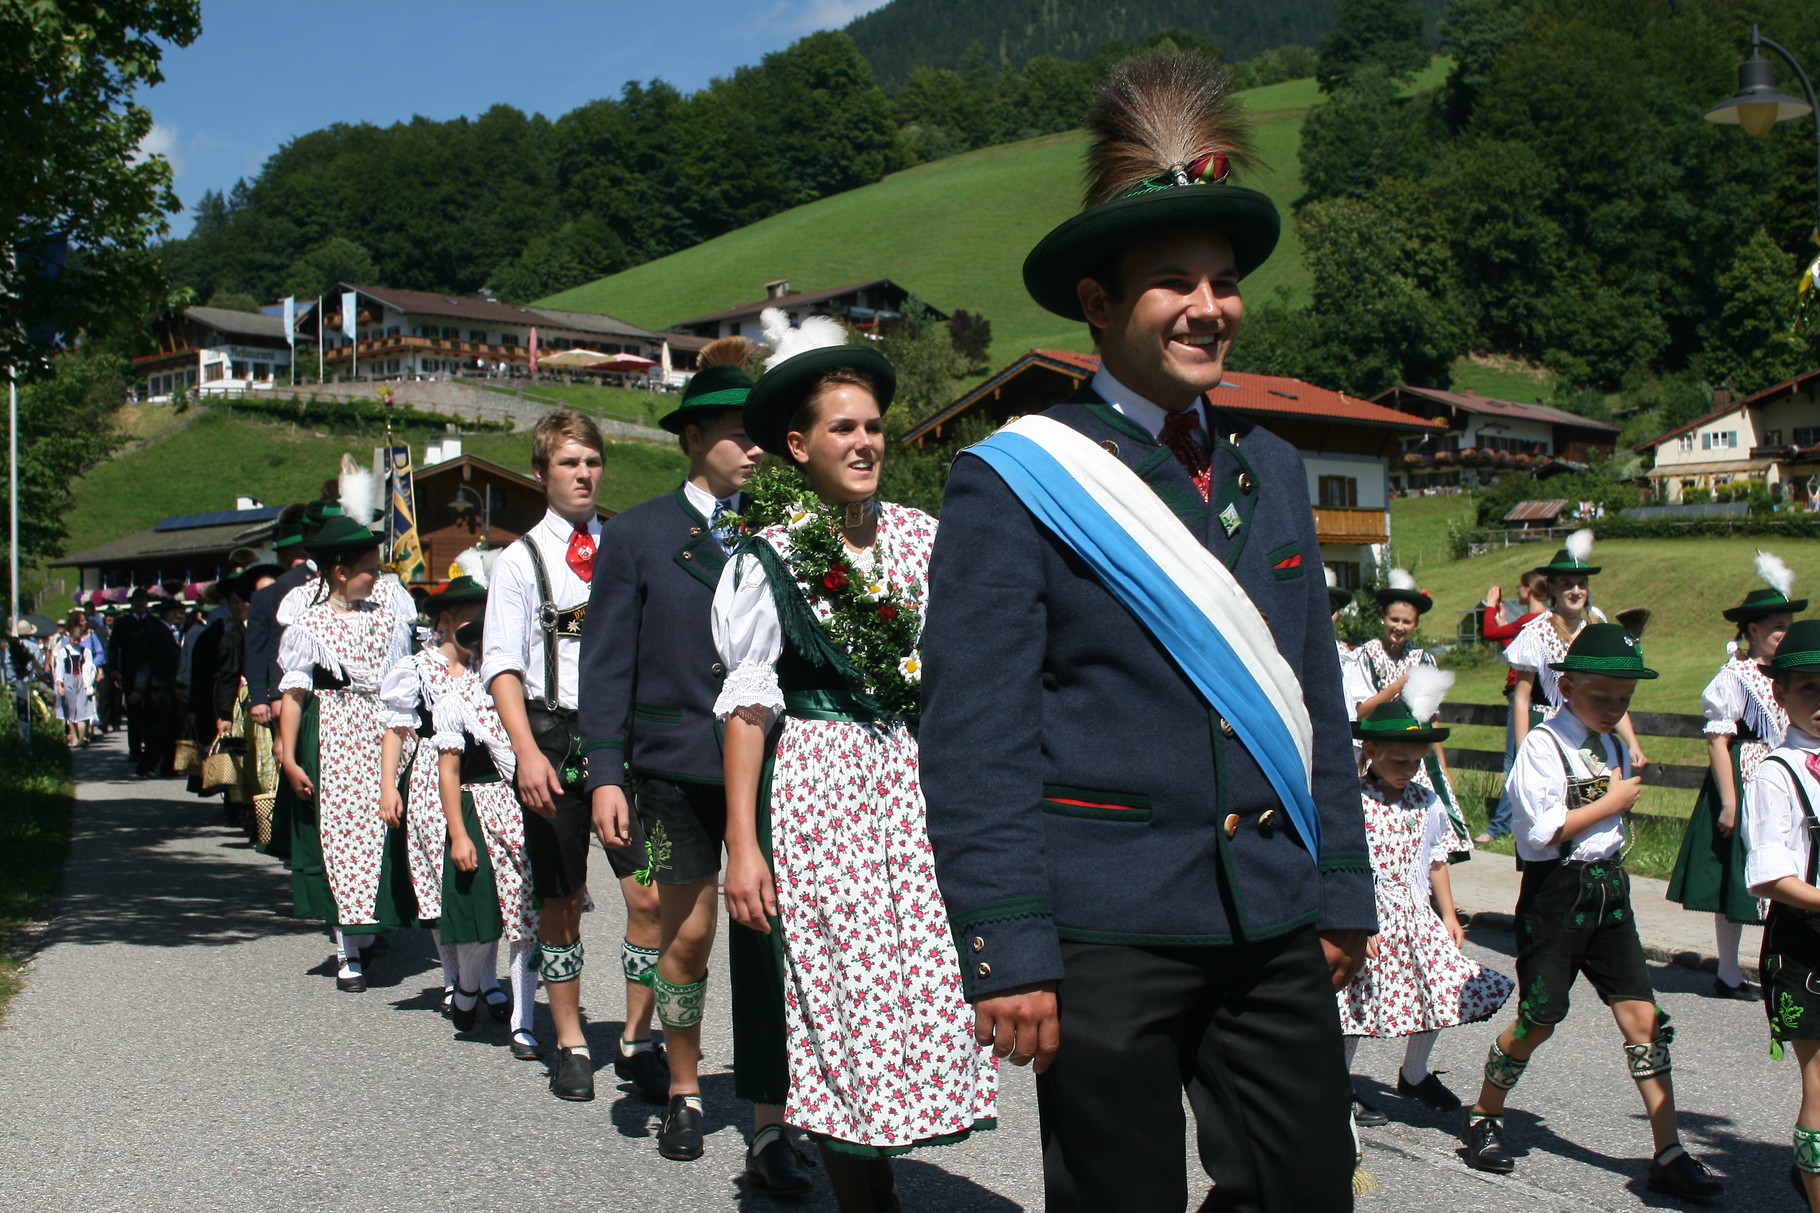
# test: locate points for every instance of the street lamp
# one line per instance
(1758, 105)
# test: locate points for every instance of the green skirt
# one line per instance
(470, 900)
(755, 969)
(1709, 873)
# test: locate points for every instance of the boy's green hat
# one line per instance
(288, 535)
(712, 390)
(318, 512)
(1761, 604)
(341, 534)
(461, 591)
(1604, 648)
(1394, 721)
(1799, 652)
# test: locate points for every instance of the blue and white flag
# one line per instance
(290, 320)
(347, 314)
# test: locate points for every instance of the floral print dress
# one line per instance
(465, 716)
(1420, 980)
(420, 685)
(352, 650)
(880, 1036)
(1372, 669)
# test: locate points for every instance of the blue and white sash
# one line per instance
(1175, 587)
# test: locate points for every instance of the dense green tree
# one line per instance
(1752, 343)
(1474, 33)
(233, 301)
(326, 266)
(1385, 32)
(971, 336)
(1362, 137)
(64, 426)
(927, 364)
(938, 100)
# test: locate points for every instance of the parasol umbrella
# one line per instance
(45, 626)
(624, 363)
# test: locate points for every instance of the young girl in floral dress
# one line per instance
(347, 860)
(1416, 979)
(817, 618)
(486, 874)
(1743, 724)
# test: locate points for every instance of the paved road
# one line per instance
(180, 1046)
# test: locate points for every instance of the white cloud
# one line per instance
(161, 140)
(798, 17)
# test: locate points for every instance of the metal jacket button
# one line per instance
(979, 945)
(1245, 482)
(985, 970)
(694, 531)
(688, 555)
(1232, 824)
(718, 669)
(1225, 727)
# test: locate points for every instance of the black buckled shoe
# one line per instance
(1683, 1175)
(572, 1077)
(500, 1008)
(464, 1019)
(647, 1069)
(1485, 1150)
(1744, 991)
(772, 1164)
(525, 1046)
(357, 984)
(1367, 1115)
(1430, 1092)
(680, 1137)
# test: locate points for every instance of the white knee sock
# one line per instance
(1727, 934)
(489, 978)
(351, 945)
(524, 985)
(347, 959)
(1352, 1050)
(1416, 1054)
(445, 952)
(471, 959)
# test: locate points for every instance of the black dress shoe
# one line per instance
(1685, 1176)
(775, 1167)
(648, 1070)
(572, 1077)
(1744, 991)
(680, 1137)
(1429, 1091)
(1367, 1115)
(357, 984)
(525, 1049)
(499, 1008)
(1484, 1138)
(464, 1020)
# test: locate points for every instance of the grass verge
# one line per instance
(37, 811)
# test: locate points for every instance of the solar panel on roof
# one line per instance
(188, 522)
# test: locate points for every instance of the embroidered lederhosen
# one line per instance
(1791, 947)
(553, 725)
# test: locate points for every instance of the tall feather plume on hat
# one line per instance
(477, 562)
(785, 340)
(1423, 690)
(1164, 119)
(1401, 580)
(1776, 575)
(358, 490)
(1579, 546)
(726, 351)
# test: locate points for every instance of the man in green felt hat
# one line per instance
(1127, 613)
(647, 726)
(1572, 785)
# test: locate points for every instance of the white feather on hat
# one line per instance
(1401, 580)
(1423, 690)
(477, 562)
(1579, 546)
(1776, 575)
(785, 340)
(1333, 578)
(359, 490)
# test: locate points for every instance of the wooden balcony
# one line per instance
(1351, 524)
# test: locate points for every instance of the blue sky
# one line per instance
(265, 71)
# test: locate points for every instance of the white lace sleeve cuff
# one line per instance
(751, 685)
(1721, 728)
(295, 681)
(444, 741)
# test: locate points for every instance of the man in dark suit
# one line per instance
(1141, 902)
(262, 630)
(158, 654)
(648, 731)
(123, 657)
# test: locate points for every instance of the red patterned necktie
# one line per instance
(1813, 764)
(581, 555)
(1179, 436)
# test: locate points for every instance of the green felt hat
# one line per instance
(461, 591)
(242, 584)
(318, 512)
(1415, 598)
(1394, 721)
(1338, 599)
(712, 390)
(1565, 563)
(1604, 648)
(341, 534)
(469, 634)
(1799, 652)
(1761, 604)
(781, 390)
(288, 535)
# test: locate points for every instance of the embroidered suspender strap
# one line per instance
(1813, 822)
(1182, 594)
(551, 622)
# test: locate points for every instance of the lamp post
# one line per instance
(1758, 105)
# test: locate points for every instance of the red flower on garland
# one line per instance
(886, 614)
(836, 578)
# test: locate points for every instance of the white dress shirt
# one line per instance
(1144, 412)
(513, 642)
(706, 503)
(1538, 783)
(1771, 822)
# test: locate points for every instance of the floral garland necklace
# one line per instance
(873, 625)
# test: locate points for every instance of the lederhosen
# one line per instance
(558, 845)
(1791, 947)
(1574, 916)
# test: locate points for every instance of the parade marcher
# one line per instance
(75, 675)
(536, 601)
(157, 652)
(262, 630)
(647, 727)
(125, 646)
(413, 688)
(1779, 825)
(1416, 980)
(1135, 750)
(1743, 724)
(1532, 600)
(486, 876)
(1571, 785)
(1376, 674)
(816, 619)
(347, 861)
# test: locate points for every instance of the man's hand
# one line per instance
(1021, 1024)
(222, 727)
(538, 786)
(612, 816)
(1345, 952)
(261, 713)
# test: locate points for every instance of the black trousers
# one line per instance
(1251, 1032)
(135, 727)
(159, 720)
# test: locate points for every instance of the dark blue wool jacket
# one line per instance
(1078, 786)
(649, 672)
(263, 635)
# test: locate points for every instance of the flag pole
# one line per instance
(12, 550)
(319, 339)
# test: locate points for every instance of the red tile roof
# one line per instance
(1491, 406)
(1787, 387)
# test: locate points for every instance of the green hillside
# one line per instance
(955, 231)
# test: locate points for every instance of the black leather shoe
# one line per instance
(680, 1137)
(525, 1047)
(1484, 1138)
(1744, 991)
(1430, 1092)
(1367, 1115)
(775, 1167)
(572, 1077)
(648, 1070)
(464, 1020)
(499, 1008)
(357, 984)
(1684, 1176)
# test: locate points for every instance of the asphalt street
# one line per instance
(180, 1045)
